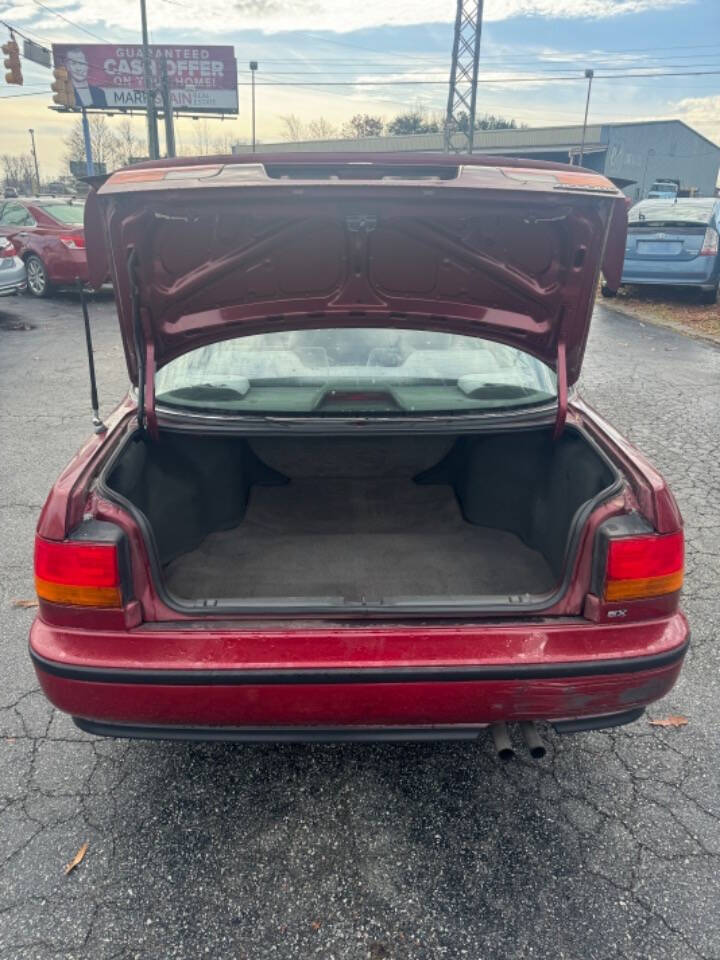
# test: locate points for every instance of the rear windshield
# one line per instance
(669, 212)
(68, 213)
(355, 370)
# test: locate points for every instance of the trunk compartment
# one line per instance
(490, 519)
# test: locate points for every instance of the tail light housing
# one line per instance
(89, 569)
(710, 243)
(75, 241)
(632, 562)
(645, 566)
(7, 248)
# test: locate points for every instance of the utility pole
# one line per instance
(462, 95)
(89, 165)
(34, 153)
(253, 68)
(153, 140)
(589, 74)
(167, 111)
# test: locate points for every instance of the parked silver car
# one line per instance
(13, 278)
(674, 242)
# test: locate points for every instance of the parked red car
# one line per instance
(48, 235)
(353, 492)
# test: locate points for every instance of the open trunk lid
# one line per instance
(204, 251)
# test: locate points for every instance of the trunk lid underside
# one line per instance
(203, 253)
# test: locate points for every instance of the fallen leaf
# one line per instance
(316, 925)
(672, 721)
(77, 859)
(24, 603)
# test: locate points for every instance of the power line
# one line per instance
(72, 24)
(484, 80)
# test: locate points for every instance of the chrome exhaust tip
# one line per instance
(532, 739)
(501, 739)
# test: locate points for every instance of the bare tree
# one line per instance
(223, 143)
(201, 138)
(363, 125)
(18, 171)
(322, 129)
(293, 127)
(103, 142)
(128, 143)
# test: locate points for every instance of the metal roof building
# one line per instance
(633, 155)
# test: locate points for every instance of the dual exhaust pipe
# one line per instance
(503, 743)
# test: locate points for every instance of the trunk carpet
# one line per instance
(356, 539)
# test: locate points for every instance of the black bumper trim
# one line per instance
(281, 734)
(341, 675)
(582, 724)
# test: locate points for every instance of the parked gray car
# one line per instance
(13, 278)
(674, 242)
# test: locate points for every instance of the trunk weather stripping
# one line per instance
(144, 354)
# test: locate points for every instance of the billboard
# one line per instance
(108, 77)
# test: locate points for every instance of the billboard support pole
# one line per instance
(167, 111)
(153, 141)
(89, 165)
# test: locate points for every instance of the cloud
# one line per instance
(340, 16)
(703, 113)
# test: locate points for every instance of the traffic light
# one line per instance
(12, 62)
(64, 93)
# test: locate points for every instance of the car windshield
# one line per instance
(67, 213)
(355, 370)
(668, 212)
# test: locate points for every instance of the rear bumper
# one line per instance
(372, 683)
(64, 269)
(12, 277)
(700, 272)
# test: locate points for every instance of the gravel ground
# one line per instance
(608, 848)
(676, 307)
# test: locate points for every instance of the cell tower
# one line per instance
(462, 96)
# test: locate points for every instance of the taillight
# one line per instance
(644, 566)
(710, 243)
(74, 242)
(78, 573)
(7, 247)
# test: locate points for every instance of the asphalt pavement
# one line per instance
(607, 849)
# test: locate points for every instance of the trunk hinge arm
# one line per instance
(144, 353)
(562, 390)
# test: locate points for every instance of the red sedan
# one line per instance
(353, 492)
(48, 235)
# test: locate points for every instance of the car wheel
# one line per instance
(607, 292)
(38, 283)
(709, 296)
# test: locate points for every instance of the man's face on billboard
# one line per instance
(77, 66)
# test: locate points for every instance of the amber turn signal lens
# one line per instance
(643, 587)
(78, 596)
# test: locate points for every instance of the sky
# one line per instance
(335, 58)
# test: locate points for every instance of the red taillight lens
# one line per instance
(646, 566)
(7, 247)
(77, 573)
(710, 243)
(74, 242)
